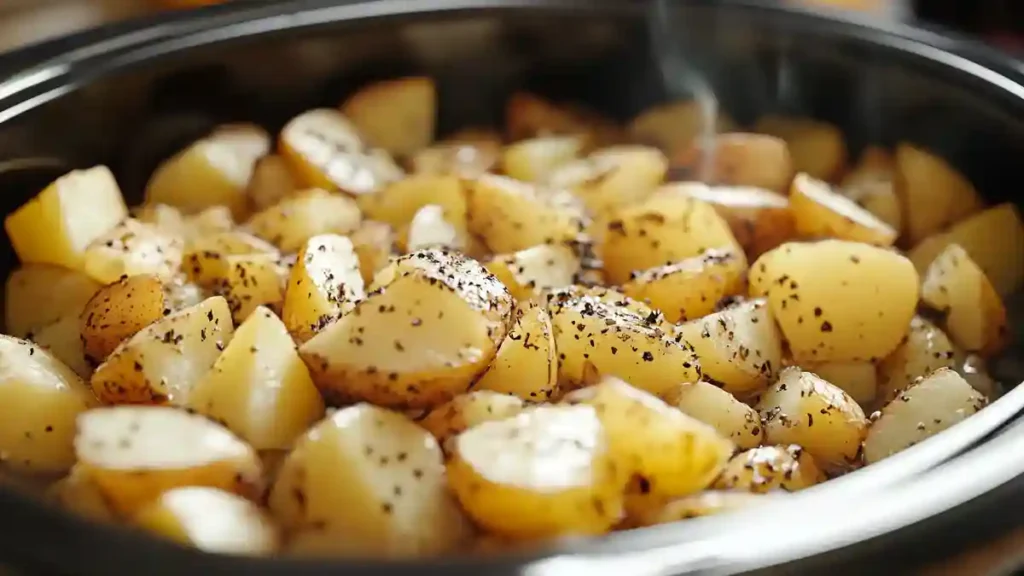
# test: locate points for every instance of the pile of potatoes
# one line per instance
(354, 340)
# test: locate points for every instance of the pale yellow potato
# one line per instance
(40, 294)
(530, 272)
(528, 115)
(325, 283)
(674, 126)
(399, 202)
(706, 503)
(612, 177)
(932, 193)
(132, 248)
(210, 520)
(468, 410)
(858, 379)
(767, 468)
(535, 159)
(213, 171)
(186, 227)
(760, 219)
(973, 369)
(374, 244)
(118, 311)
(252, 280)
(397, 115)
(430, 328)
(919, 412)
(259, 387)
(59, 223)
(161, 363)
(739, 159)
(429, 229)
(876, 193)
(526, 364)
(325, 150)
(63, 339)
(668, 227)
(77, 493)
(43, 398)
(395, 502)
(816, 147)
(925, 350)
(740, 348)
(294, 220)
(821, 212)
(719, 409)
(136, 453)
(544, 473)
(556, 297)
(465, 159)
(690, 288)
(598, 338)
(509, 215)
(805, 410)
(975, 316)
(271, 182)
(180, 293)
(838, 301)
(994, 238)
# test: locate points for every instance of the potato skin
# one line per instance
(821, 212)
(932, 193)
(690, 289)
(926, 349)
(769, 468)
(526, 363)
(397, 115)
(324, 283)
(740, 159)
(816, 147)
(118, 311)
(760, 219)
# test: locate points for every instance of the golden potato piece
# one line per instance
(271, 182)
(132, 248)
(925, 350)
(325, 283)
(760, 219)
(77, 493)
(250, 281)
(690, 289)
(44, 397)
(429, 229)
(932, 193)
(118, 311)
(63, 339)
(186, 227)
(40, 294)
(395, 502)
(59, 223)
(465, 159)
(858, 379)
(526, 364)
(468, 410)
(740, 159)
(612, 177)
(396, 115)
(530, 272)
(553, 299)
(206, 258)
(136, 453)
(294, 220)
(837, 301)
(162, 362)
(719, 409)
(398, 203)
(704, 504)
(547, 472)
(816, 147)
(674, 126)
(374, 243)
(768, 468)
(820, 212)
(528, 115)
(431, 327)
(876, 193)
(535, 159)
(919, 412)
(509, 215)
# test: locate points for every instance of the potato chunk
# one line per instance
(547, 472)
(465, 159)
(528, 115)
(760, 219)
(132, 248)
(526, 364)
(396, 115)
(612, 177)
(740, 159)
(932, 193)
(40, 294)
(816, 147)
(535, 159)
(325, 283)
(768, 468)
(528, 273)
(926, 349)
(294, 220)
(207, 259)
(63, 339)
(259, 387)
(919, 412)
(706, 503)
(858, 379)
(719, 409)
(876, 193)
(271, 182)
(468, 410)
(430, 328)
(398, 203)
(252, 280)
(77, 493)
(429, 229)
(162, 362)
(820, 212)
(673, 126)
(395, 502)
(43, 397)
(118, 311)
(59, 223)
(690, 289)
(838, 301)
(136, 453)
(805, 410)
(509, 215)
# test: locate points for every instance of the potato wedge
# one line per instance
(805, 410)
(374, 243)
(187, 227)
(816, 147)
(547, 472)
(118, 311)
(464, 159)
(509, 215)
(210, 520)
(706, 503)
(45, 397)
(252, 280)
(396, 115)
(63, 339)
(528, 115)
(820, 212)
(132, 248)
(612, 177)
(271, 182)
(325, 283)
(59, 223)
(259, 387)
(926, 349)
(430, 328)
(768, 468)
(877, 195)
(136, 453)
(932, 193)
(535, 159)
(395, 502)
(739, 159)
(919, 412)
(975, 316)
(294, 220)
(162, 362)
(759, 219)
(859, 309)
(468, 410)
(719, 409)
(398, 203)
(526, 364)
(77, 493)
(429, 229)
(858, 379)
(674, 126)
(554, 298)
(530, 272)
(690, 288)
(40, 294)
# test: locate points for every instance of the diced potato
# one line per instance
(118, 311)
(252, 280)
(213, 171)
(994, 238)
(675, 125)
(465, 159)
(40, 294)
(547, 472)
(432, 326)
(271, 182)
(528, 273)
(805, 410)
(398, 204)
(468, 410)
(294, 220)
(719, 409)
(820, 212)
(612, 177)
(760, 220)
(429, 229)
(374, 244)
(78, 493)
(526, 364)
(136, 453)
(878, 196)
(63, 339)
(259, 387)
(932, 193)
(740, 159)
(206, 258)
(668, 227)
(396, 115)
(704, 504)
(210, 520)
(768, 468)
(509, 215)
(187, 227)
(690, 288)
(59, 223)
(324, 283)
(925, 350)
(858, 379)
(556, 297)
(132, 248)
(740, 348)
(325, 150)
(162, 362)
(180, 293)
(817, 147)
(535, 159)
(594, 336)
(975, 316)
(395, 501)
(528, 115)
(838, 301)
(43, 398)
(919, 412)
